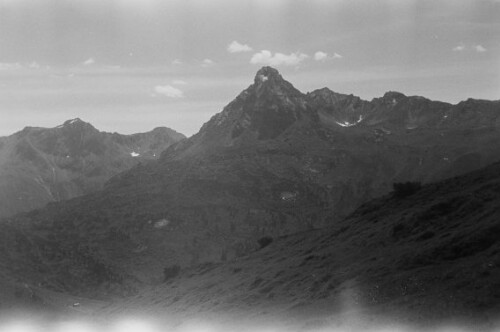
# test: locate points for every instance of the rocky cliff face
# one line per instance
(41, 165)
(273, 162)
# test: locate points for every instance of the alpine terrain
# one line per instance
(41, 165)
(303, 175)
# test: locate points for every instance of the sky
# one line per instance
(132, 65)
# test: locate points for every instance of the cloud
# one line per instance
(10, 66)
(266, 57)
(207, 63)
(4, 66)
(169, 91)
(480, 48)
(34, 65)
(236, 47)
(320, 56)
(177, 62)
(323, 56)
(89, 62)
(179, 82)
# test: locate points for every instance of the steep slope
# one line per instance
(428, 256)
(273, 162)
(41, 165)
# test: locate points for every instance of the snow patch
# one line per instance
(263, 78)
(134, 154)
(289, 196)
(345, 124)
(161, 223)
(350, 124)
(73, 121)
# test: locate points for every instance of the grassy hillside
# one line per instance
(429, 256)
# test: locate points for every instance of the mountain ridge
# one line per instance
(81, 123)
(211, 197)
(285, 105)
(40, 165)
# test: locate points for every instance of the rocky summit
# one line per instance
(273, 162)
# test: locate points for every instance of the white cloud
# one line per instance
(18, 66)
(323, 56)
(179, 82)
(320, 56)
(480, 49)
(207, 63)
(89, 62)
(236, 47)
(10, 66)
(265, 57)
(34, 65)
(169, 91)
(177, 62)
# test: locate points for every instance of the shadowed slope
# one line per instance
(432, 255)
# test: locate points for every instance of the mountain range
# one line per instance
(275, 162)
(42, 165)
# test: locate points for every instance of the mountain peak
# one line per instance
(268, 74)
(78, 125)
(269, 82)
(73, 121)
(265, 109)
(328, 95)
(76, 122)
(394, 94)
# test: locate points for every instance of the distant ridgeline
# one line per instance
(41, 165)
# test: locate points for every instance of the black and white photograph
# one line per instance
(249, 165)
